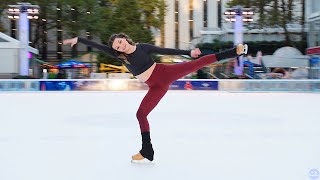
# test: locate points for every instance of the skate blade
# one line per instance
(245, 51)
(144, 161)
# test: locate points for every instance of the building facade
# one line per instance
(189, 22)
(185, 19)
(313, 50)
(313, 21)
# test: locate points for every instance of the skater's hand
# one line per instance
(72, 41)
(195, 52)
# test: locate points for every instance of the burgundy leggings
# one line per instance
(161, 78)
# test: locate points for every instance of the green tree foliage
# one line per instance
(153, 12)
(127, 19)
(133, 17)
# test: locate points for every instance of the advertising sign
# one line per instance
(194, 85)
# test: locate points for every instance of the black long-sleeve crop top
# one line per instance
(138, 61)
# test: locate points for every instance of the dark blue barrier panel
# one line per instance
(56, 85)
(194, 85)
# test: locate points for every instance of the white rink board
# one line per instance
(196, 135)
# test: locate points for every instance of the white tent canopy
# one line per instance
(286, 57)
(9, 55)
(7, 42)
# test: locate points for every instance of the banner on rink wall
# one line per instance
(270, 85)
(93, 85)
(183, 84)
(56, 85)
(121, 85)
(19, 86)
(194, 85)
(109, 85)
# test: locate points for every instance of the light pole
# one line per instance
(238, 15)
(23, 12)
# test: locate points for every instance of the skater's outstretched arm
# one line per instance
(239, 50)
(104, 48)
(169, 51)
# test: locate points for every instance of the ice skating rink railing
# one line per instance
(183, 84)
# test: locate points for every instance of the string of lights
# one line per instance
(14, 10)
(23, 12)
(246, 13)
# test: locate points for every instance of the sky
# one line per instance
(195, 134)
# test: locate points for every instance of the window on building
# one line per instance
(205, 13)
(315, 6)
(176, 9)
(191, 18)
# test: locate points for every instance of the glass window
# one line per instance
(315, 6)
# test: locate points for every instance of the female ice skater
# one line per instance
(137, 58)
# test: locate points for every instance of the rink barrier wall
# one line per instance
(182, 84)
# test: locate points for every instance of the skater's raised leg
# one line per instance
(176, 71)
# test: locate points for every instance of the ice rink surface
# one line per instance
(196, 135)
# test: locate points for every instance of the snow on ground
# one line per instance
(196, 135)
